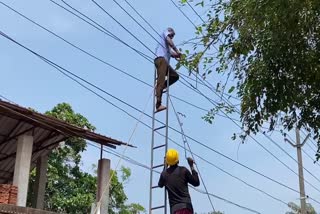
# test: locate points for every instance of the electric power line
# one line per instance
(92, 55)
(95, 57)
(134, 19)
(134, 162)
(3, 97)
(106, 12)
(246, 183)
(264, 134)
(99, 28)
(280, 161)
(183, 13)
(195, 11)
(102, 29)
(313, 149)
(277, 145)
(311, 141)
(142, 18)
(309, 156)
(186, 142)
(63, 71)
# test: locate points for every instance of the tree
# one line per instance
(69, 189)
(272, 49)
(295, 209)
(118, 196)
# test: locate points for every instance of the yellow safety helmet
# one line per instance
(172, 157)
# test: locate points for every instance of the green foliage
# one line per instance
(272, 49)
(118, 196)
(295, 209)
(64, 111)
(74, 146)
(71, 190)
(209, 117)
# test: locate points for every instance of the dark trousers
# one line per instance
(183, 211)
(162, 71)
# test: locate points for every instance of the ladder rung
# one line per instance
(161, 127)
(158, 207)
(155, 187)
(157, 166)
(157, 147)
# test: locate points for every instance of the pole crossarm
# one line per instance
(292, 144)
(305, 140)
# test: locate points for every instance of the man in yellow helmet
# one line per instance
(176, 179)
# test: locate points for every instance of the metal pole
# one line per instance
(152, 141)
(301, 178)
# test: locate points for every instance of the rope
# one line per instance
(186, 142)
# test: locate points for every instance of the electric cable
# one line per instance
(106, 12)
(99, 28)
(121, 157)
(195, 11)
(136, 163)
(154, 30)
(186, 142)
(280, 161)
(59, 68)
(210, 163)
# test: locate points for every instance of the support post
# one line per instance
(301, 178)
(299, 145)
(40, 182)
(22, 168)
(103, 185)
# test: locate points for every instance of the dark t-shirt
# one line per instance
(176, 179)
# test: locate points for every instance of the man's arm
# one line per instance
(161, 181)
(176, 52)
(192, 177)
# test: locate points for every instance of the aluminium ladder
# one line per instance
(158, 150)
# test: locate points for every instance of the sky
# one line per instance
(29, 82)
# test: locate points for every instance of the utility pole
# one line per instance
(298, 145)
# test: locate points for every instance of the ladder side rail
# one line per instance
(167, 132)
(152, 142)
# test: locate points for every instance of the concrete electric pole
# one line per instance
(298, 145)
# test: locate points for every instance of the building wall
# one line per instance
(6, 209)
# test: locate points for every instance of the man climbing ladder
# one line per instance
(164, 51)
(176, 179)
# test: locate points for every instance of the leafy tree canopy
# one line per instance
(272, 49)
(71, 190)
